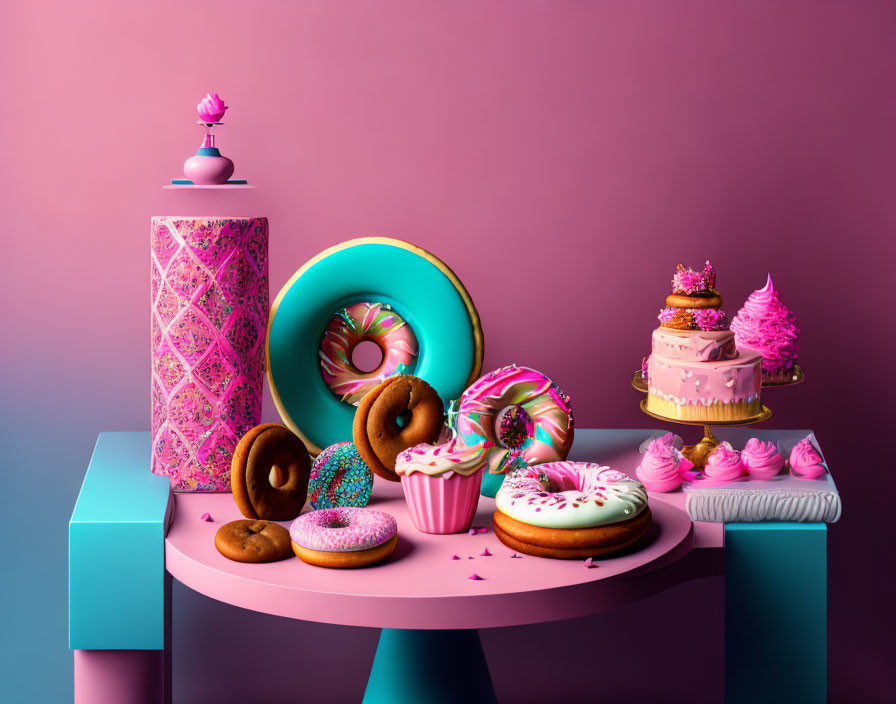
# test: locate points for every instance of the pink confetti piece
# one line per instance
(455, 557)
(472, 531)
(206, 517)
(475, 577)
(483, 530)
(485, 553)
(589, 563)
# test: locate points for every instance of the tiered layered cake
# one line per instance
(695, 371)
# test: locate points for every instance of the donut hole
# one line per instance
(338, 523)
(403, 419)
(277, 477)
(367, 356)
(514, 427)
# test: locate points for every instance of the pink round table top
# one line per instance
(420, 586)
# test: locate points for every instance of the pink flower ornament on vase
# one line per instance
(208, 167)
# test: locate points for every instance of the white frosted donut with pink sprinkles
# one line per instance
(570, 495)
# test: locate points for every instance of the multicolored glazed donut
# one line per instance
(339, 477)
(522, 412)
(344, 537)
(378, 323)
(570, 510)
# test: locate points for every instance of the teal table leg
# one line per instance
(775, 613)
(432, 667)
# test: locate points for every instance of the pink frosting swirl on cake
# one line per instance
(660, 467)
(767, 325)
(724, 464)
(805, 460)
(761, 459)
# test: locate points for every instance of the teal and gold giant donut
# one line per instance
(415, 283)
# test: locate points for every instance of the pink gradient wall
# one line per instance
(560, 156)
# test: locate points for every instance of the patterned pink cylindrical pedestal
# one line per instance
(209, 285)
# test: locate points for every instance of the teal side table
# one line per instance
(119, 610)
(775, 613)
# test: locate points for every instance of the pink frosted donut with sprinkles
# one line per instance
(377, 323)
(525, 415)
(344, 537)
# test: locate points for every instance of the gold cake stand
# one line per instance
(698, 452)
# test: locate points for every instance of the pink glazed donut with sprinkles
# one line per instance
(344, 537)
(377, 323)
(522, 412)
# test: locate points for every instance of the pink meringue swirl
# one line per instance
(767, 325)
(211, 108)
(761, 459)
(660, 467)
(805, 460)
(724, 464)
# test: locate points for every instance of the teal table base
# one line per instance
(436, 667)
(775, 613)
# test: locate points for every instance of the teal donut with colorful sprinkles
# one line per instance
(339, 477)
(402, 298)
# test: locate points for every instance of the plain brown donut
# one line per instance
(376, 432)
(261, 450)
(570, 543)
(698, 300)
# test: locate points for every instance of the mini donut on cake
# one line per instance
(344, 537)
(269, 473)
(570, 510)
(399, 413)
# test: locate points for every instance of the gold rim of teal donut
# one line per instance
(475, 323)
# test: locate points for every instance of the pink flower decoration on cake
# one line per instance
(768, 326)
(709, 276)
(710, 319)
(211, 108)
(724, 464)
(687, 281)
(667, 314)
(805, 460)
(761, 459)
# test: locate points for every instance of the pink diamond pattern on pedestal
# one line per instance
(209, 288)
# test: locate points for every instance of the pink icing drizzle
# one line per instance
(724, 464)
(761, 459)
(805, 461)
(345, 529)
(767, 325)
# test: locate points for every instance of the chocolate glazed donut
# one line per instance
(269, 473)
(401, 412)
